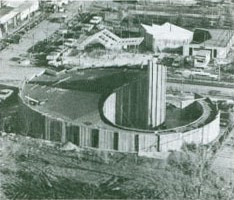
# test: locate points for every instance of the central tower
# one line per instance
(140, 104)
(156, 93)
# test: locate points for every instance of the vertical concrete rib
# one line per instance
(156, 93)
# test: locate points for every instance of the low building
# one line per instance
(202, 59)
(8, 18)
(109, 40)
(217, 41)
(13, 14)
(27, 9)
(158, 38)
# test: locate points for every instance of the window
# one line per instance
(76, 135)
(215, 53)
(190, 51)
(55, 130)
(73, 134)
(116, 141)
(136, 143)
(95, 138)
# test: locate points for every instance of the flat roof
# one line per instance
(75, 95)
(218, 37)
(81, 90)
(26, 5)
(61, 102)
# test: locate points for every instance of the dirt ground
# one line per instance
(23, 156)
(38, 169)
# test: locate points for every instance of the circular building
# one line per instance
(114, 109)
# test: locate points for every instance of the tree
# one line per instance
(192, 169)
(179, 20)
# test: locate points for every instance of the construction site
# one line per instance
(101, 151)
(116, 100)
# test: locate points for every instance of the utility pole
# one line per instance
(2, 3)
(219, 73)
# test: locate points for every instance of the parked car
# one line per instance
(224, 118)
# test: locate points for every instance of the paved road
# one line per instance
(109, 60)
(13, 73)
(166, 14)
(202, 89)
(12, 70)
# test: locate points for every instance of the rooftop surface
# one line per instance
(212, 37)
(75, 96)
(167, 31)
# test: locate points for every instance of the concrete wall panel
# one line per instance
(106, 139)
(126, 142)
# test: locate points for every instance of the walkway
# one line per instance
(109, 40)
(115, 59)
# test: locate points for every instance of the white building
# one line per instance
(26, 9)
(202, 59)
(217, 41)
(109, 40)
(15, 12)
(159, 38)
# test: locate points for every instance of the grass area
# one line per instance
(36, 169)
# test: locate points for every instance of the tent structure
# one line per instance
(165, 36)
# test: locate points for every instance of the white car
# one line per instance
(53, 56)
(55, 63)
(70, 42)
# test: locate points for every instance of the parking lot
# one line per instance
(12, 72)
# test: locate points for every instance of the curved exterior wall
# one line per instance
(47, 127)
(142, 103)
(131, 105)
(203, 135)
(173, 139)
(85, 125)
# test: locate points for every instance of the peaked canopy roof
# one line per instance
(167, 31)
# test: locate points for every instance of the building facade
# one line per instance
(217, 41)
(14, 14)
(167, 36)
(89, 108)
(140, 104)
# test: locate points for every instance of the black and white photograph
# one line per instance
(117, 99)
